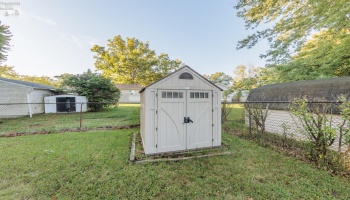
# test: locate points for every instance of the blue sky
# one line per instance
(55, 37)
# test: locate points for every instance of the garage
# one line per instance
(180, 112)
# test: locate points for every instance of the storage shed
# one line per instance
(65, 104)
(181, 111)
(21, 98)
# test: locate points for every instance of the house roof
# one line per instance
(128, 86)
(177, 71)
(28, 84)
(314, 90)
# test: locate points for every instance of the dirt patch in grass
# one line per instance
(70, 130)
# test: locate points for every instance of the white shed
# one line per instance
(65, 104)
(179, 112)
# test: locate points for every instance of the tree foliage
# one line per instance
(219, 77)
(5, 36)
(308, 39)
(95, 87)
(245, 77)
(132, 61)
(8, 72)
(326, 54)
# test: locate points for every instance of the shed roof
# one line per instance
(177, 71)
(314, 90)
(128, 86)
(28, 84)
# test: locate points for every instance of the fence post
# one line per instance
(81, 114)
(250, 119)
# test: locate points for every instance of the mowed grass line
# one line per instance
(94, 165)
(124, 114)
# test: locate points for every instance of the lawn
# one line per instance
(89, 165)
(94, 165)
(124, 114)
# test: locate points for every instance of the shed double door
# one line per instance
(184, 120)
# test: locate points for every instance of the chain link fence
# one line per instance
(291, 119)
(321, 126)
(33, 118)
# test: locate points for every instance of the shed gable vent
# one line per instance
(186, 75)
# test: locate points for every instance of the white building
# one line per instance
(179, 112)
(21, 98)
(129, 93)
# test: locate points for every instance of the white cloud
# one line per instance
(90, 40)
(45, 20)
(72, 39)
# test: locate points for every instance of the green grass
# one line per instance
(124, 114)
(94, 165)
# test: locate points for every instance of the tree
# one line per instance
(219, 77)
(7, 72)
(291, 24)
(45, 80)
(132, 61)
(322, 56)
(95, 87)
(246, 78)
(5, 37)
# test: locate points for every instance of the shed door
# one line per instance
(199, 109)
(173, 106)
(171, 111)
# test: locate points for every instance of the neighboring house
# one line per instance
(243, 96)
(21, 98)
(279, 119)
(129, 93)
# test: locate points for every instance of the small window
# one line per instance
(186, 75)
(169, 95)
(175, 95)
(196, 95)
(202, 95)
(181, 95)
(192, 95)
(206, 95)
(163, 94)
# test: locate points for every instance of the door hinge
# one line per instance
(212, 95)
(156, 128)
(156, 145)
(212, 140)
(212, 110)
(156, 94)
(156, 111)
(212, 125)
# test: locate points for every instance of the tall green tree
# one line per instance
(309, 39)
(95, 87)
(132, 61)
(5, 37)
(219, 77)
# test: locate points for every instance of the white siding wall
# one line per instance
(11, 93)
(36, 97)
(126, 97)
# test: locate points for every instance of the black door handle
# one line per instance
(187, 120)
